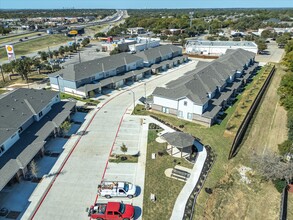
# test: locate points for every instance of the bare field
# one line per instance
(290, 206)
(234, 199)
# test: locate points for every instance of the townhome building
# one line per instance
(28, 118)
(201, 94)
(114, 71)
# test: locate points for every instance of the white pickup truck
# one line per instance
(110, 189)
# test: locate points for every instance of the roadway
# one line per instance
(76, 188)
(119, 15)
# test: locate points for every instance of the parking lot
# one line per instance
(272, 54)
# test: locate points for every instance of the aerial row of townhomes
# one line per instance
(28, 119)
(202, 93)
(112, 72)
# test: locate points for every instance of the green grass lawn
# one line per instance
(36, 45)
(166, 189)
(88, 100)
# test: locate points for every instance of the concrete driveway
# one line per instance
(86, 164)
(274, 54)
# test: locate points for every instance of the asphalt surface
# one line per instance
(272, 54)
(87, 165)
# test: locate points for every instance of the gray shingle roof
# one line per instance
(89, 68)
(31, 141)
(179, 139)
(158, 52)
(196, 84)
(20, 105)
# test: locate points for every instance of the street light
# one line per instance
(145, 91)
(133, 98)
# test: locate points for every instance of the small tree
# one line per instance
(115, 51)
(65, 126)
(33, 169)
(123, 148)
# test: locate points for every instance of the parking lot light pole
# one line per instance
(133, 98)
(145, 91)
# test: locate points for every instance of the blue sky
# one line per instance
(117, 4)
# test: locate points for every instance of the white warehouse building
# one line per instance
(217, 48)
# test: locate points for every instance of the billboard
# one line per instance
(10, 52)
(73, 32)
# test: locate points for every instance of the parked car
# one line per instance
(20, 40)
(111, 210)
(110, 189)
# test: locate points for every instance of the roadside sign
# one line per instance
(10, 52)
(73, 32)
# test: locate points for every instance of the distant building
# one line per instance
(272, 20)
(217, 48)
(143, 43)
(29, 117)
(136, 30)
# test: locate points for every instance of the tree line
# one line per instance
(32, 13)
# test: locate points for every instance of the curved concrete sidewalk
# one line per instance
(179, 207)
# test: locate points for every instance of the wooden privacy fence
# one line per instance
(244, 125)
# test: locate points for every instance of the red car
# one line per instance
(111, 211)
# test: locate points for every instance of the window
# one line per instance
(189, 116)
(180, 114)
(165, 110)
(185, 103)
(41, 114)
(20, 130)
(116, 213)
(110, 213)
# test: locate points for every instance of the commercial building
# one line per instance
(28, 118)
(114, 71)
(136, 30)
(217, 48)
(201, 94)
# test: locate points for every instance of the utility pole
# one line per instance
(191, 18)
(79, 58)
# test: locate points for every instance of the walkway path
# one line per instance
(179, 207)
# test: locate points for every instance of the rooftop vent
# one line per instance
(13, 109)
(15, 100)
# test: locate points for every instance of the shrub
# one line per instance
(280, 185)
(285, 147)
